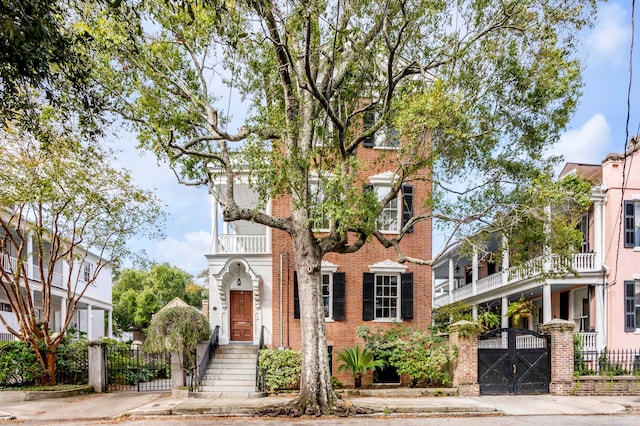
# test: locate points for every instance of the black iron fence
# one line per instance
(260, 373)
(132, 369)
(615, 362)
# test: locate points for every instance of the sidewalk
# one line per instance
(109, 406)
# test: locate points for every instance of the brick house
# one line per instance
(252, 277)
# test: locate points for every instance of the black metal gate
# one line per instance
(136, 370)
(514, 361)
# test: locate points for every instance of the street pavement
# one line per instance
(115, 405)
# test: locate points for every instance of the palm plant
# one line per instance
(358, 361)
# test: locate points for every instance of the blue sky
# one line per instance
(597, 128)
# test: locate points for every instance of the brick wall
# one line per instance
(342, 334)
(561, 332)
(465, 369)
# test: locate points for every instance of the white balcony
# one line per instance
(574, 265)
(241, 244)
(10, 264)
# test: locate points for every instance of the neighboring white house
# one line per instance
(89, 316)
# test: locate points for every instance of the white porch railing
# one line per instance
(10, 263)
(579, 262)
(588, 341)
(11, 320)
(233, 244)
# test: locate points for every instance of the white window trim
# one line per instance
(386, 180)
(328, 268)
(388, 267)
(315, 180)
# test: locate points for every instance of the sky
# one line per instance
(596, 129)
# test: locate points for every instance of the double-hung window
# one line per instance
(317, 196)
(87, 271)
(333, 293)
(632, 305)
(632, 223)
(395, 214)
(387, 292)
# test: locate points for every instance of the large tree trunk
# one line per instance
(316, 394)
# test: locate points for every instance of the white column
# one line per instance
(546, 248)
(598, 247)
(504, 319)
(599, 320)
(505, 259)
(30, 254)
(110, 323)
(214, 226)
(546, 303)
(63, 311)
(89, 323)
(474, 272)
(474, 312)
(451, 277)
(269, 231)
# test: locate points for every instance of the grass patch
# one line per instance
(49, 388)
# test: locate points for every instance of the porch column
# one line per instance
(599, 320)
(505, 259)
(504, 319)
(269, 231)
(474, 272)
(110, 323)
(214, 226)
(451, 278)
(546, 302)
(30, 255)
(474, 313)
(598, 234)
(63, 311)
(89, 323)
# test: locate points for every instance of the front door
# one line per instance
(241, 316)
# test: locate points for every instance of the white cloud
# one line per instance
(186, 254)
(609, 39)
(588, 144)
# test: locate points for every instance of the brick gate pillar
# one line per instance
(464, 336)
(561, 332)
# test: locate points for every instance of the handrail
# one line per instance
(259, 372)
(208, 353)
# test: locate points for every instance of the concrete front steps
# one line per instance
(231, 373)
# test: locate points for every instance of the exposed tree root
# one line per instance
(341, 408)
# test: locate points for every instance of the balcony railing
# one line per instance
(577, 263)
(587, 341)
(10, 264)
(235, 244)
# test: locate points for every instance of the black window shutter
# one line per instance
(629, 306)
(368, 295)
(629, 224)
(296, 297)
(338, 296)
(407, 205)
(368, 119)
(406, 295)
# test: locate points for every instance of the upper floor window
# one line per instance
(385, 137)
(317, 195)
(396, 212)
(87, 271)
(632, 223)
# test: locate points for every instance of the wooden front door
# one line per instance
(241, 316)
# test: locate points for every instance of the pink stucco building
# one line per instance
(603, 295)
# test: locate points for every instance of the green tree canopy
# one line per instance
(137, 295)
(178, 328)
(62, 204)
(478, 90)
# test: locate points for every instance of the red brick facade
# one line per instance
(342, 334)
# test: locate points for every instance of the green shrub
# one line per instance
(422, 356)
(18, 364)
(280, 368)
